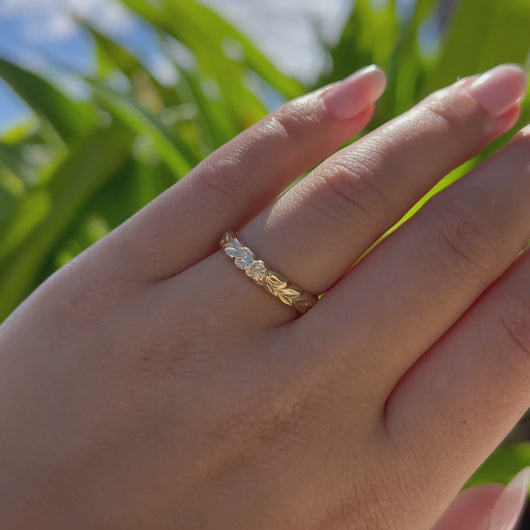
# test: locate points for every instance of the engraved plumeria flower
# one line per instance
(257, 271)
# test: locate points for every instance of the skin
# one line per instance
(148, 384)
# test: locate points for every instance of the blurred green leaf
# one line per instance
(176, 154)
(502, 465)
(134, 183)
(200, 28)
(396, 49)
(15, 158)
(483, 33)
(221, 75)
(70, 120)
(111, 55)
(46, 212)
(21, 131)
(357, 47)
(406, 68)
(215, 123)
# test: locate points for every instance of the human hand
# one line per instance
(149, 384)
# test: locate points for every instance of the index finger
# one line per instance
(225, 190)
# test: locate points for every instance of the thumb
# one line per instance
(488, 506)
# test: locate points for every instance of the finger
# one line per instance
(406, 293)
(508, 507)
(319, 228)
(471, 509)
(232, 185)
(464, 395)
(488, 506)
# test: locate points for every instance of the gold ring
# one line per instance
(273, 282)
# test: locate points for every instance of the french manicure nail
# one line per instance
(509, 505)
(500, 88)
(525, 131)
(349, 97)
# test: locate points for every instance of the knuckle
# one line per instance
(215, 176)
(293, 116)
(451, 110)
(282, 129)
(440, 110)
(350, 192)
(461, 243)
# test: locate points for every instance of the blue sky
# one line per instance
(39, 33)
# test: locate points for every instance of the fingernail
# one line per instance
(525, 131)
(500, 88)
(349, 97)
(510, 504)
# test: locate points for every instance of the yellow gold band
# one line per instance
(273, 282)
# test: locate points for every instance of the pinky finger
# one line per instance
(487, 507)
(464, 395)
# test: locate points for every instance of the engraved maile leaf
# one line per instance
(299, 299)
(290, 292)
(271, 290)
(275, 281)
(285, 299)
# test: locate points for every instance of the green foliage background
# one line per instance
(78, 169)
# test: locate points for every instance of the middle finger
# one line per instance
(317, 230)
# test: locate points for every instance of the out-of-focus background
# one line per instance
(105, 103)
(37, 32)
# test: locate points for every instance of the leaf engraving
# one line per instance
(290, 292)
(285, 299)
(272, 281)
(275, 281)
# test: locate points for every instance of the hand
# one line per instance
(150, 385)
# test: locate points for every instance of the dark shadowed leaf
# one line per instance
(172, 149)
(45, 213)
